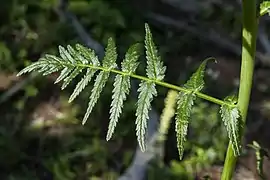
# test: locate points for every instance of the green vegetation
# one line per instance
(40, 117)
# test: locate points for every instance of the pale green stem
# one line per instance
(247, 66)
(160, 83)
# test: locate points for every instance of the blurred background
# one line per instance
(41, 136)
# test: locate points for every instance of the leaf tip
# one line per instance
(181, 156)
(111, 41)
(147, 30)
(70, 100)
(84, 121)
(146, 26)
(108, 137)
(19, 74)
(211, 59)
(142, 146)
(63, 87)
(61, 48)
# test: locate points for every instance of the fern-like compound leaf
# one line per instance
(230, 117)
(122, 87)
(100, 81)
(147, 91)
(185, 102)
(71, 63)
(74, 61)
(155, 68)
(265, 8)
(196, 82)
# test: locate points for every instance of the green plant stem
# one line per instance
(161, 83)
(247, 67)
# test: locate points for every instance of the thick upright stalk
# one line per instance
(247, 65)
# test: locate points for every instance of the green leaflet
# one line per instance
(78, 57)
(82, 84)
(88, 55)
(64, 73)
(54, 61)
(185, 102)
(110, 55)
(46, 65)
(147, 91)
(95, 93)
(120, 91)
(50, 70)
(130, 63)
(230, 117)
(121, 87)
(65, 55)
(109, 61)
(72, 75)
(34, 66)
(196, 82)
(155, 68)
(264, 8)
